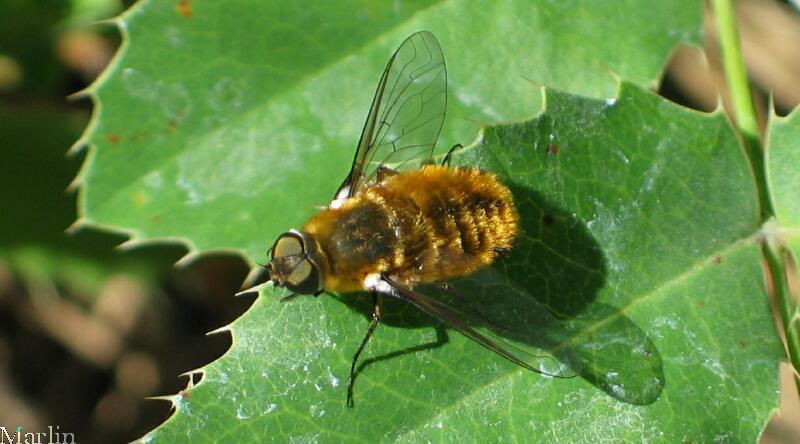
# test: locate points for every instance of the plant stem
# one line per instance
(743, 110)
(735, 71)
(745, 119)
(775, 264)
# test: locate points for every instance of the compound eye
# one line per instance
(304, 279)
(287, 245)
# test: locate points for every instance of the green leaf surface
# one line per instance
(215, 114)
(224, 124)
(783, 150)
(783, 162)
(664, 308)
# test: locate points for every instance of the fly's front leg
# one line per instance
(384, 172)
(376, 317)
(449, 155)
(289, 298)
(294, 295)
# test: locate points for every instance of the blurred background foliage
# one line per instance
(88, 327)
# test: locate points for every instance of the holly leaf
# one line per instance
(783, 159)
(783, 163)
(639, 219)
(221, 130)
(653, 273)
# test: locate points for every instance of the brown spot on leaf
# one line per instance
(170, 126)
(552, 149)
(140, 198)
(184, 8)
(548, 220)
(743, 343)
(140, 136)
(717, 260)
(112, 138)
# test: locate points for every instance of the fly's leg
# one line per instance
(376, 317)
(448, 156)
(294, 295)
(289, 298)
(384, 172)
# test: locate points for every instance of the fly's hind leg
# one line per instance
(376, 317)
(449, 155)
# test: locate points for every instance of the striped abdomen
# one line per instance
(453, 221)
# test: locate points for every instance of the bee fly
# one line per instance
(395, 223)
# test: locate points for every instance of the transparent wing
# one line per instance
(406, 113)
(502, 318)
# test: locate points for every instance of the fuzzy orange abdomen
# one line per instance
(462, 219)
(420, 226)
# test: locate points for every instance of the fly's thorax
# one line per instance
(357, 239)
(298, 263)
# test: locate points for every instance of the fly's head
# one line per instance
(296, 263)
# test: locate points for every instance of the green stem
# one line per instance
(743, 110)
(776, 265)
(735, 72)
(745, 118)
